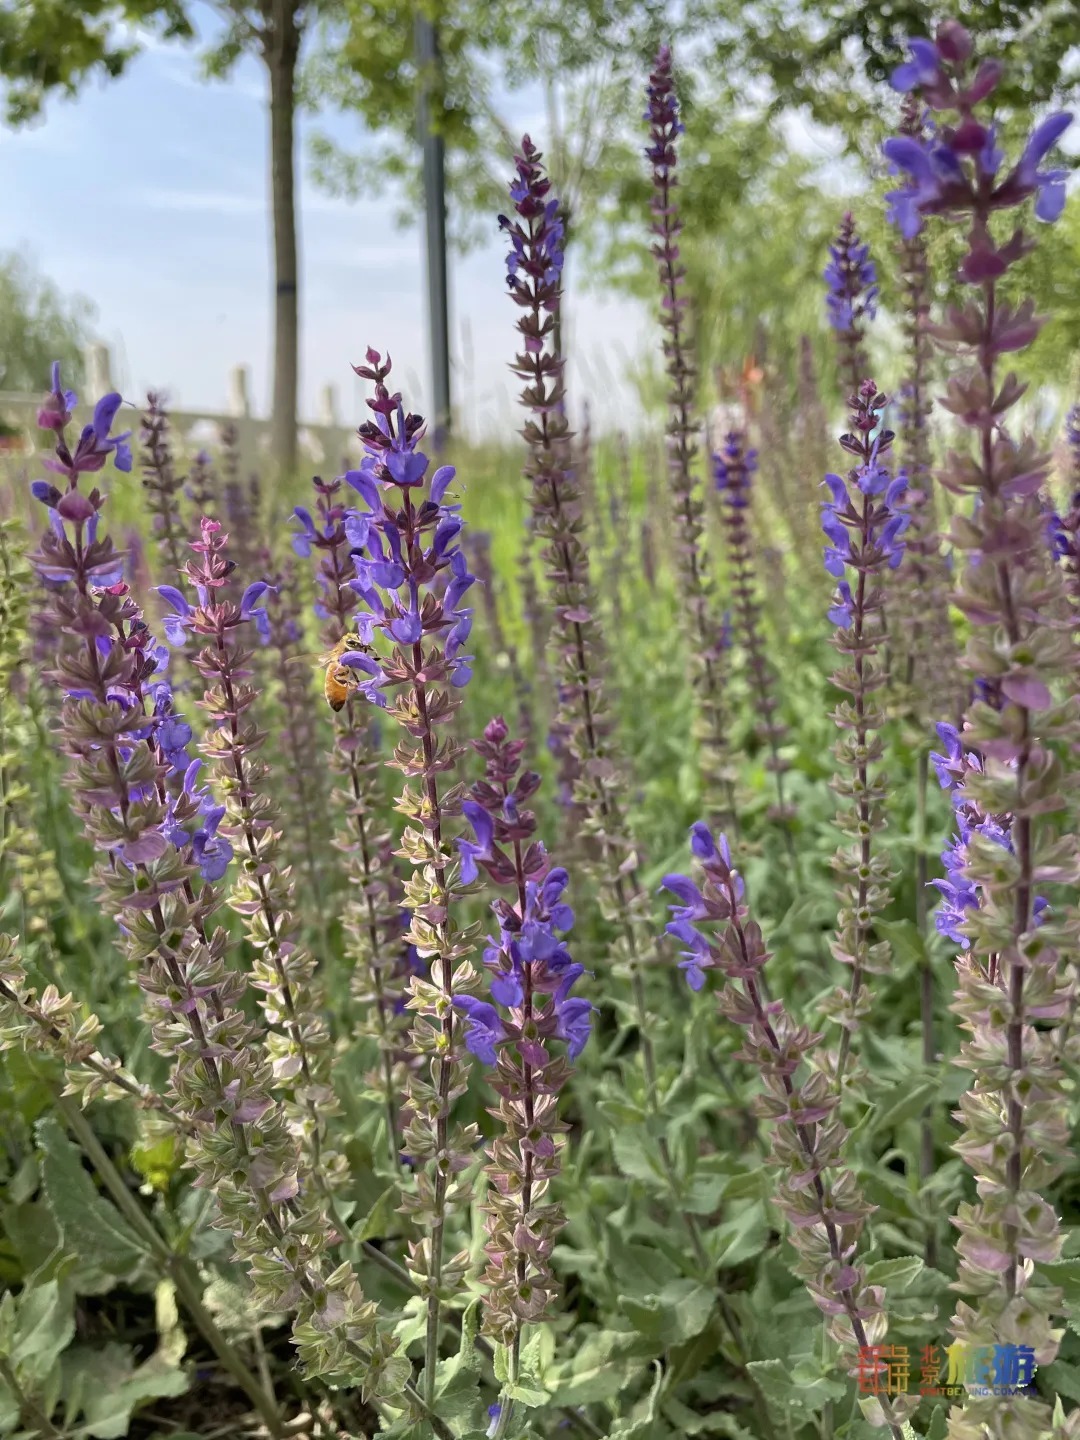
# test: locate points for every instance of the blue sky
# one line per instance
(149, 195)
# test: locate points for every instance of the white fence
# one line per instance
(326, 442)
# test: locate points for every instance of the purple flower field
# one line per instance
(582, 941)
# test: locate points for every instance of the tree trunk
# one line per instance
(282, 48)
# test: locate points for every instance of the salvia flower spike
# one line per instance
(412, 580)
(864, 521)
(702, 624)
(1014, 969)
(160, 875)
(530, 1018)
(733, 468)
(851, 300)
(381, 958)
(298, 1041)
(818, 1194)
(922, 635)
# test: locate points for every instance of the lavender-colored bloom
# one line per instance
(485, 1030)
(530, 940)
(55, 413)
(1015, 998)
(176, 624)
(179, 622)
(199, 827)
(953, 764)
(841, 517)
(921, 69)
(533, 974)
(541, 261)
(302, 539)
(851, 278)
(250, 609)
(691, 905)
(733, 470)
(1048, 185)
(480, 849)
(851, 300)
(939, 178)
(391, 579)
(95, 444)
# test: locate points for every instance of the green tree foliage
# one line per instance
(583, 64)
(832, 56)
(38, 324)
(56, 45)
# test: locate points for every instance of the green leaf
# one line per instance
(782, 1390)
(687, 1360)
(639, 1427)
(909, 947)
(637, 1158)
(229, 1302)
(44, 1328)
(714, 1422)
(601, 1368)
(740, 1237)
(620, 1113)
(89, 1224)
(413, 1321)
(1063, 1379)
(939, 1423)
(705, 1192)
(379, 1221)
(32, 1231)
(895, 1275)
(457, 1379)
(753, 1185)
(913, 1101)
(637, 1269)
(110, 1386)
(1066, 1274)
(529, 1392)
(679, 1312)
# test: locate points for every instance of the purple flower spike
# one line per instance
(851, 299)
(532, 976)
(1012, 831)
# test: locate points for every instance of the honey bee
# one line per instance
(339, 681)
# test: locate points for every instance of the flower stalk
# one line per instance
(371, 915)
(863, 521)
(1014, 971)
(702, 628)
(733, 468)
(532, 976)
(403, 543)
(815, 1191)
(156, 850)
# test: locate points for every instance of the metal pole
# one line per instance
(431, 140)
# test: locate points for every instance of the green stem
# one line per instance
(28, 1407)
(926, 994)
